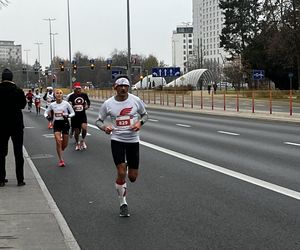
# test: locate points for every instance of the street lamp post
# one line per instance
(53, 37)
(129, 46)
(39, 60)
(27, 77)
(70, 54)
(50, 20)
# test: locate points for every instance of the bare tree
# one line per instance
(3, 3)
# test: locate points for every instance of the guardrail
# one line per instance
(268, 101)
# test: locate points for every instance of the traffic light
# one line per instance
(141, 80)
(108, 63)
(46, 73)
(36, 70)
(24, 70)
(74, 63)
(62, 66)
(92, 62)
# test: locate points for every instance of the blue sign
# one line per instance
(166, 72)
(109, 61)
(258, 74)
(115, 73)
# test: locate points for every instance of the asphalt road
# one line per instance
(206, 182)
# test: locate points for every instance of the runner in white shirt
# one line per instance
(37, 101)
(128, 114)
(59, 112)
(49, 97)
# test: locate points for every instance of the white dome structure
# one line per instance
(158, 81)
(193, 78)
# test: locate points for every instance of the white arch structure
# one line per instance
(150, 79)
(193, 78)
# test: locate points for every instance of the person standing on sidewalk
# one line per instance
(80, 103)
(12, 101)
(128, 114)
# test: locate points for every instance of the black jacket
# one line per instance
(12, 101)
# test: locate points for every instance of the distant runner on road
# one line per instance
(80, 103)
(59, 111)
(37, 101)
(49, 98)
(128, 114)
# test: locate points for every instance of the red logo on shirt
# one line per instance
(125, 111)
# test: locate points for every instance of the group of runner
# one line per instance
(127, 114)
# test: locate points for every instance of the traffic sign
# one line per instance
(258, 74)
(109, 61)
(166, 72)
(115, 73)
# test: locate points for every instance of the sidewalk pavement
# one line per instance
(29, 218)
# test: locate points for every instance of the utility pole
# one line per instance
(53, 37)
(70, 54)
(27, 77)
(129, 46)
(39, 60)
(50, 33)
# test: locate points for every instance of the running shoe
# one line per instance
(61, 163)
(77, 147)
(124, 211)
(83, 145)
(50, 125)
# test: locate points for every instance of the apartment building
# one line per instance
(208, 23)
(182, 46)
(9, 52)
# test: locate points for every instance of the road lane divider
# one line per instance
(228, 133)
(183, 125)
(252, 180)
(292, 143)
(237, 175)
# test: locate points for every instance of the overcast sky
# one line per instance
(97, 26)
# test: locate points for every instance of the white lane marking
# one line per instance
(93, 126)
(243, 177)
(67, 233)
(227, 133)
(152, 120)
(292, 143)
(49, 135)
(29, 127)
(183, 125)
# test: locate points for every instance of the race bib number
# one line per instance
(123, 122)
(78, 108)
(37, 100)
(58, 114)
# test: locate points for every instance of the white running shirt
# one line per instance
(59, 110)
(123, 114)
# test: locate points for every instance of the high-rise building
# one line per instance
(182, 47)
(208, 23)
(9, 52)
